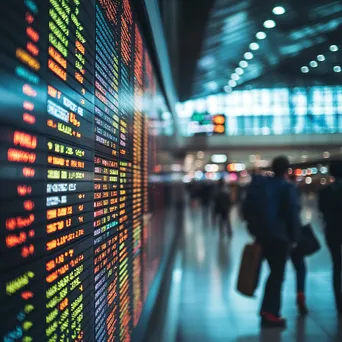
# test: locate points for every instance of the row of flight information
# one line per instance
(77, 87)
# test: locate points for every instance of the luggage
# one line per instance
(309, 243)
(250, 269)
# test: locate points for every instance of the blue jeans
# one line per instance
(300, 267)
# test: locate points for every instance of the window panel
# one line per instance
(274, 111)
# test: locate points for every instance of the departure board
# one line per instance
(77, 92)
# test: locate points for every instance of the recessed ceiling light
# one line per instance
(337, 68)
(333, 48)
(304, 69)
(269, 24)
(243, 64)
(279, 10)
(227, 89)
(313, 64)
(232, 83)
(239, 71)
(235, 77)
(321, 58)
(261, 35)
(248, 55)
(254, 46)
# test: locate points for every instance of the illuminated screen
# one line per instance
(77, 150)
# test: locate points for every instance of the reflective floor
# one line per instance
(210, 308)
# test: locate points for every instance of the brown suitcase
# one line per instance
(250, 269)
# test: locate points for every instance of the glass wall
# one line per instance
(314, 110)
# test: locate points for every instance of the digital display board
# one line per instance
(77, 92)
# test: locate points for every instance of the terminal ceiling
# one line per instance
(216, 34)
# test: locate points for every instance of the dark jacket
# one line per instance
(330, 205)
(289, 225)
(286, 226)
(222, 202)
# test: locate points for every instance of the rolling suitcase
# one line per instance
(249, 269)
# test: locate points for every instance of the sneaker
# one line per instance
(271, 321)
(301, 305)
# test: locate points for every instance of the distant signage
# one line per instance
(204, 123)
(201, 123)
(219, 124)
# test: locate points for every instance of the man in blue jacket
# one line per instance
(278, 242)
(272, 211)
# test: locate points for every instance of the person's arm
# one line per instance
(292, 213)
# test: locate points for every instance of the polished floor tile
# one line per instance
(210, 308)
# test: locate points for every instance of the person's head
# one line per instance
(280, 166)
(221, 182)
(335, 169)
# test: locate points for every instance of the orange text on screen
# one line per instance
(28, 172)
(16, 240)
(24, 190)
(33, 49)
(32, 34)
(57, 57)
(19, 222)
(26, 251)
(25, 140)
(14, 155)
(29, 18)
(29, 118)
(29, 205)
(57, 69)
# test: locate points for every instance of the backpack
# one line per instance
(261, 207)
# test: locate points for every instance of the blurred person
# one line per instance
(298, 262)
(272, 209)
(330, 205)
(205, 194)
(222, 207)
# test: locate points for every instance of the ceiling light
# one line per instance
(227, 89)
(261, 35)
(321, 58)
(308, 180)
(304, 69)
(326, 155)
(254, 46)
(333, 48)
(313, 64)
(243, 64)
(239, 71)
(232, 83)
(235, 77)
(279, 10)
(337, 68)
(248, 55)
(269, 24)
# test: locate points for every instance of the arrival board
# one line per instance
(74, 143)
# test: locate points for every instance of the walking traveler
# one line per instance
(222, 207)
(330, 204)
(271, 209)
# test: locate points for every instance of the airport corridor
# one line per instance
(210, 309)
